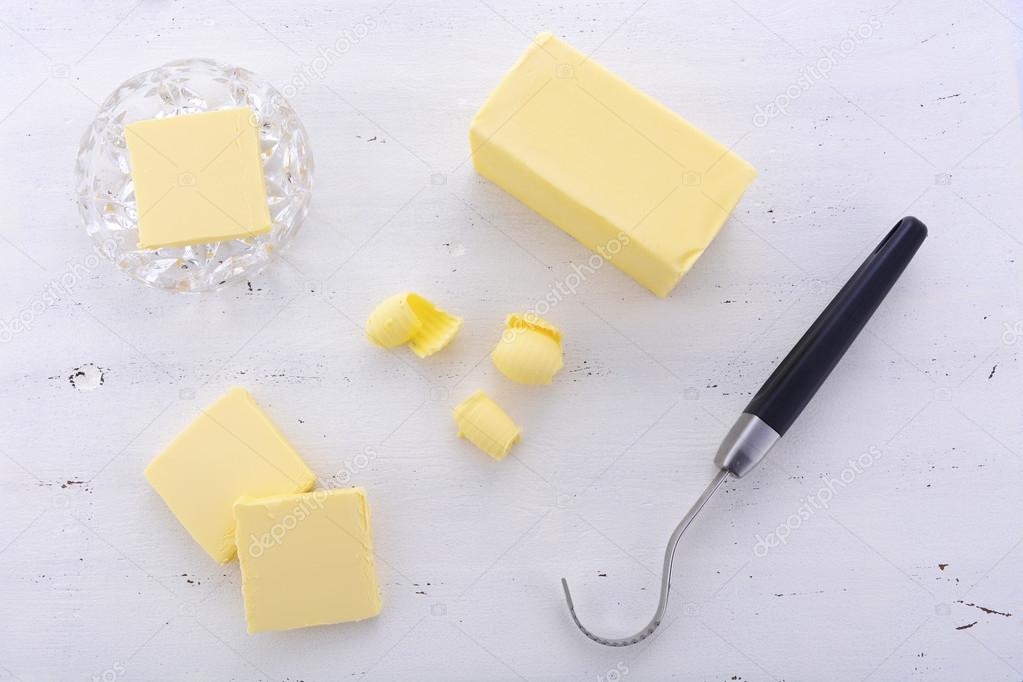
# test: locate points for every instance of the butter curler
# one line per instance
(408, 318)
(484, 424)
(529, 351)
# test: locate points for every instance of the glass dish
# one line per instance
(106, 196)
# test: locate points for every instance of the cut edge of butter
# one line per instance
(529, 351)
(409, 318)
(483, 423)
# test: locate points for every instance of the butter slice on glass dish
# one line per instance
(194, 175)
(623, 174)
(198, 178)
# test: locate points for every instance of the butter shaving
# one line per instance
(408, 318)
(484, 424)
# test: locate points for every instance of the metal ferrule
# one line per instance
(749, 439)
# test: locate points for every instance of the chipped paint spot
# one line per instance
(87, 377)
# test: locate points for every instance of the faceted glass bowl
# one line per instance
(106, 194)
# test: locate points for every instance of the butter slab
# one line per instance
(198, 178)
(623, 174)
(231, 450)
(306, 559)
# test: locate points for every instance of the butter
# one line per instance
(408, 318)
(609, 165)
(198, 178)
(232, 449)
(484, 424)
(306, 559)
(529, 351)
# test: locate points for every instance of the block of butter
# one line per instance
(306, 559)
(198, 178)
(614, 168)
(232, 449)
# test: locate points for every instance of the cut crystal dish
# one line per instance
(106, 195)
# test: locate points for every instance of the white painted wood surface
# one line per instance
(901, 576)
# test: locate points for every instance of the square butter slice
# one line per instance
(231, 450)
(306, 559)
(198, 178)
(609, 165)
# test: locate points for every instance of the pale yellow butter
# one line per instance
(484, 424)
(306, 559)
(609, 165)
(408, 318)
(198, 178)
(529, 351)
(232, 449)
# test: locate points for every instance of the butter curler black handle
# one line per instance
(795, 381)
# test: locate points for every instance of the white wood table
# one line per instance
(855, 114)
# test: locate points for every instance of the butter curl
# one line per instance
(529, 351)
(408, 318)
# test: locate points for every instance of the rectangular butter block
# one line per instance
(231, 450)
(606, 163)
(198, 178)
(306, 559)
